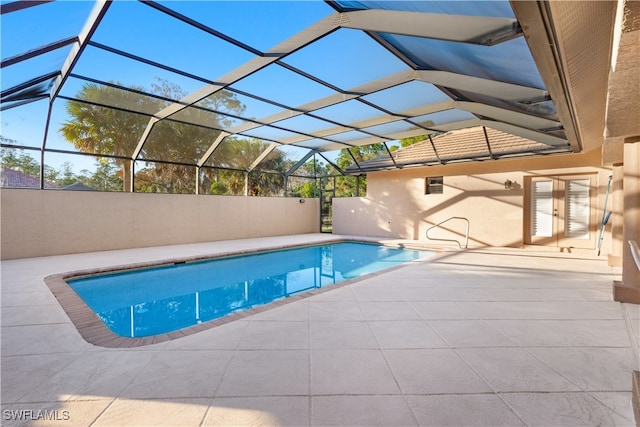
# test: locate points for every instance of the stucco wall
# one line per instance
(396, 204)
(41, 223)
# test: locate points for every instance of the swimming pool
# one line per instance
(151, 301)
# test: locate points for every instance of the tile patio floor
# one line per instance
(483, 337)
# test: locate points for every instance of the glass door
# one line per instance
(561, 211)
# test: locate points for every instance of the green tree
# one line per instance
(116, 130)
(345, 187)
(239, 155)
(361, 154)
(20, 161)
(405, 142)
(304, 189)
(63, 176)
(303, 182)
(218, 188)
(104, 178)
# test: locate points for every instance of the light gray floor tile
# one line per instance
(292, 312)
(513, 369)
(433, 371)
(341, 335)
(339, 294)
(567, 294)
(351, 372)
(33, 315)
(19, 299)
(388, 310)
(258, 411)
(435, 310)
(405, 334)
(148, 412)
(40, 368)
(633, 310)
(190, 373)
(100, 373)
(384, 411)
(469, 410)
(383, 281)
(619, 402)
(562, 310)
(499, 310)
(563, 409)
(428, 293)
(276, 335)
(591, 368)
(369, 293)
(41, 339)
(334, 310)
(266, 373)
(470, 333)
(223, 337)
(600, 333)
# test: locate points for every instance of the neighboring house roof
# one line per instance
(78, 186)
(477, 143)
(11, 178)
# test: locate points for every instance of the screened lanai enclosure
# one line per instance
(265, 98)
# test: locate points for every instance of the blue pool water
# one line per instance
(138, 303)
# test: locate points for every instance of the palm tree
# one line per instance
(103, 120)
(96, 129)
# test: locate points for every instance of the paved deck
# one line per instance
(479, 337)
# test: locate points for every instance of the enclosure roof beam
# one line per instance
(145, 135)
(533, 135)
(509, 116)
(303, 38)
(458, 28)
(24, 102)
(261, 157)
(300, 162)
(493, 88)
(365, 89)
(38, 51)
(19, 5)
(331, 163)
(26, 85)
(212, 148)
(380, 120)
(96, 15)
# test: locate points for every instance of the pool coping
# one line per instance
(95, 332)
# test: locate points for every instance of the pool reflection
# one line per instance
(151, 301)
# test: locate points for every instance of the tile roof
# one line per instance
(11, 178)
(477, 143)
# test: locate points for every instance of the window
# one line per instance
(434, 185)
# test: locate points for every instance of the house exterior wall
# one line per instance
(396, 204)
(42, 223)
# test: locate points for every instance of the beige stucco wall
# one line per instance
(40, 223)
(396, 206)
